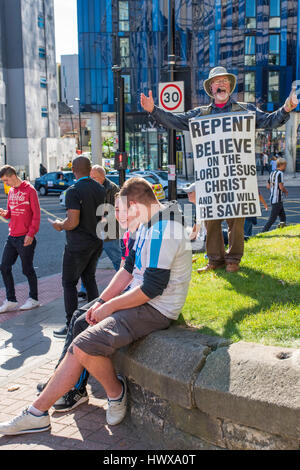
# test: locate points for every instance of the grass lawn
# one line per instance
(259, 303)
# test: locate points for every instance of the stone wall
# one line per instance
(191, 391)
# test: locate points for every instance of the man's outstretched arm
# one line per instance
(167, 119)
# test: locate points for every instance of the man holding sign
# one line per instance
(221, 147)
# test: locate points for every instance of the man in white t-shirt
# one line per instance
(264, 162)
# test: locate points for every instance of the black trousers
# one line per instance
(76, 265)
(13, 248)
(276, 211)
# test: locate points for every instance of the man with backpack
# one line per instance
(219, 86)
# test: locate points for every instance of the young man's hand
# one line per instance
(3, 212)
(97, 313)
(57, 225)
(28, 240)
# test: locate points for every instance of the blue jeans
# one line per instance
(248, 228)
(113, 251)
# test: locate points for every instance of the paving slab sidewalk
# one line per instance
(28, 355)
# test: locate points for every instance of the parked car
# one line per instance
(156, 186)
(162, 178)
(54, 182)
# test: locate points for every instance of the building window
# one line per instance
(127, 94)
(41, 21)
(123, 16)
(43, 82)
(44, 111)
(274, 49)
(273, 88)
(124, 52)
(42, 52)
(274, 19)
(250, 50)
(250, 14)
(249, 94)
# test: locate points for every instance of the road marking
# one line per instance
(290, 210)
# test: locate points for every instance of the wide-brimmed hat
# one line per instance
(217, 72)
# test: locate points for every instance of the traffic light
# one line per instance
(178, 143)
(121, 161)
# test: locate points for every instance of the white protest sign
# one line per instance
(225, 171)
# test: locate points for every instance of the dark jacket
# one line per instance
(111, 190)
(181, 120)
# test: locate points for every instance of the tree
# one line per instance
(107, 147)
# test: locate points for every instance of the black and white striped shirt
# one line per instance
(275, 178)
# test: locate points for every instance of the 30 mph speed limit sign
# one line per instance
(171, 96)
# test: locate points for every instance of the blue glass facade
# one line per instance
(258, 40)
(208, 33)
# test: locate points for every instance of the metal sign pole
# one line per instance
(172, 193)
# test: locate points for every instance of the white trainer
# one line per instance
(8, 306)
(116, 410)
(25, 423)
(29, 304)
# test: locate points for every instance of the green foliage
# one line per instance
(108, 147)
(259, 303)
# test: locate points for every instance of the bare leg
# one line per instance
(102, 369)
(64, 378)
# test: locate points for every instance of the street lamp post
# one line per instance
(121, 118)
(80, 135)
(70, 111)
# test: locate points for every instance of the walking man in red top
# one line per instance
(23, 210)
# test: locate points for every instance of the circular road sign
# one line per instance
(171, 96)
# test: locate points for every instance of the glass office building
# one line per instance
(258, 40)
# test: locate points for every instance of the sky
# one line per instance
(65, 18)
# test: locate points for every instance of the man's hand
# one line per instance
(193, 236)
(97, 313)
(291, 102)
(28, 240)
(147, 102)
(57, 225)
(3, 212)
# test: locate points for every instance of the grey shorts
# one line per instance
(120, 329)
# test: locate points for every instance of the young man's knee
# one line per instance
(5, 269)
(69, 283)
(77, 352)
(28, 271)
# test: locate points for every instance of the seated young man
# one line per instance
(158, 270)
(78, 394)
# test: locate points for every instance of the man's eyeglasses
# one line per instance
(221, 81)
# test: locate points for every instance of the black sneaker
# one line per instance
(40, 386)
(71, 400)
(281, 225)
(82, 295)
(62, 333)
